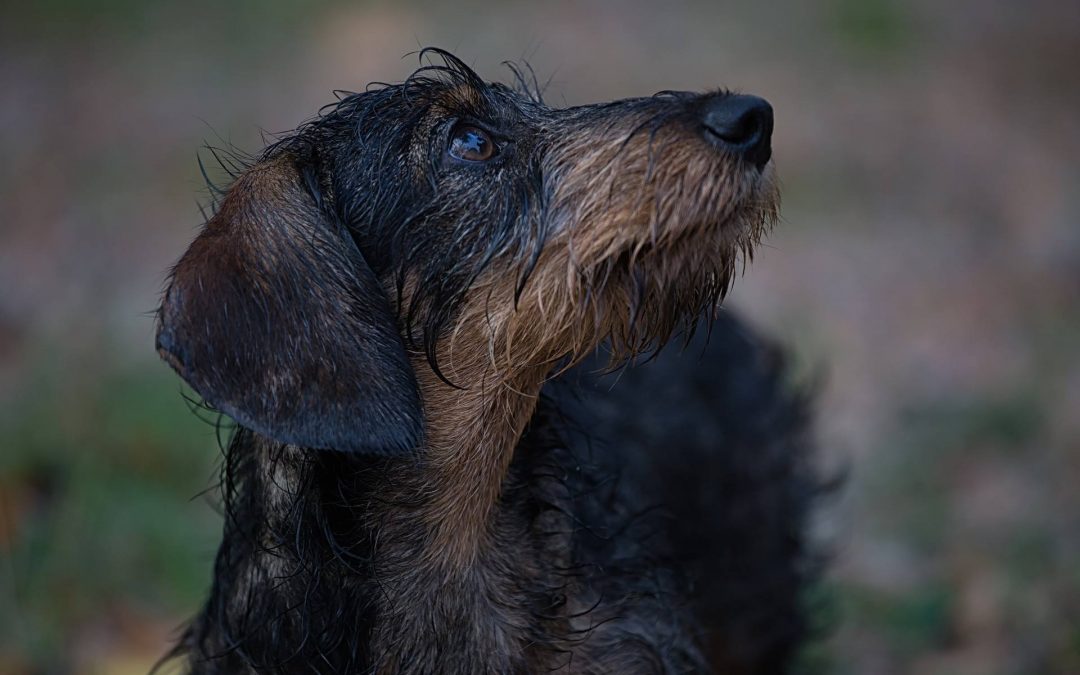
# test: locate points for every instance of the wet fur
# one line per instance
(409, 490)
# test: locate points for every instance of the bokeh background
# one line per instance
(928, 267)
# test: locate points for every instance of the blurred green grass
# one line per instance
(97, 459)
(873, 28)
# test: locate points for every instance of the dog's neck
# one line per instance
(472, 429)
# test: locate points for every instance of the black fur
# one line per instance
(275, 318)
(714, 436)
(650, 524)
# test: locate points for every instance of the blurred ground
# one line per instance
(928, 265)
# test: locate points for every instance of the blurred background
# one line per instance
(928, 267)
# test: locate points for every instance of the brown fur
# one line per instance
(454, 550)
(625, 212)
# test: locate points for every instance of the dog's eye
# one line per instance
(471, 144)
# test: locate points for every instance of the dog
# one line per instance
(415, 308)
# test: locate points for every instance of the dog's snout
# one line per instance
(741, 125)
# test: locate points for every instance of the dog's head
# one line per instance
(413, 217)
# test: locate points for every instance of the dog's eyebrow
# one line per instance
(465, 97)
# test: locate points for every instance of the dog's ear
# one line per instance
(274, 317)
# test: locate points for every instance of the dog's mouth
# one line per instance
(721, 208)
(645, 190)
(753, 213)
(674, 261)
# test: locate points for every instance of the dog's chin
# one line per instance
(656, 300)
(662, 290)
(728, 221)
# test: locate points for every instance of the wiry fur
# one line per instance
(405, 494)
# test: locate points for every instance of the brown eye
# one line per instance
(471, 144)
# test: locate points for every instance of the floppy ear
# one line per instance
(274, 317)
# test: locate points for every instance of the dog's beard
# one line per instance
(632, 301)
(671, 262)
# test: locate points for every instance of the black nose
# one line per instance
(741, 125)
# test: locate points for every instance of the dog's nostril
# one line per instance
(737, 131)
(742, 125)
